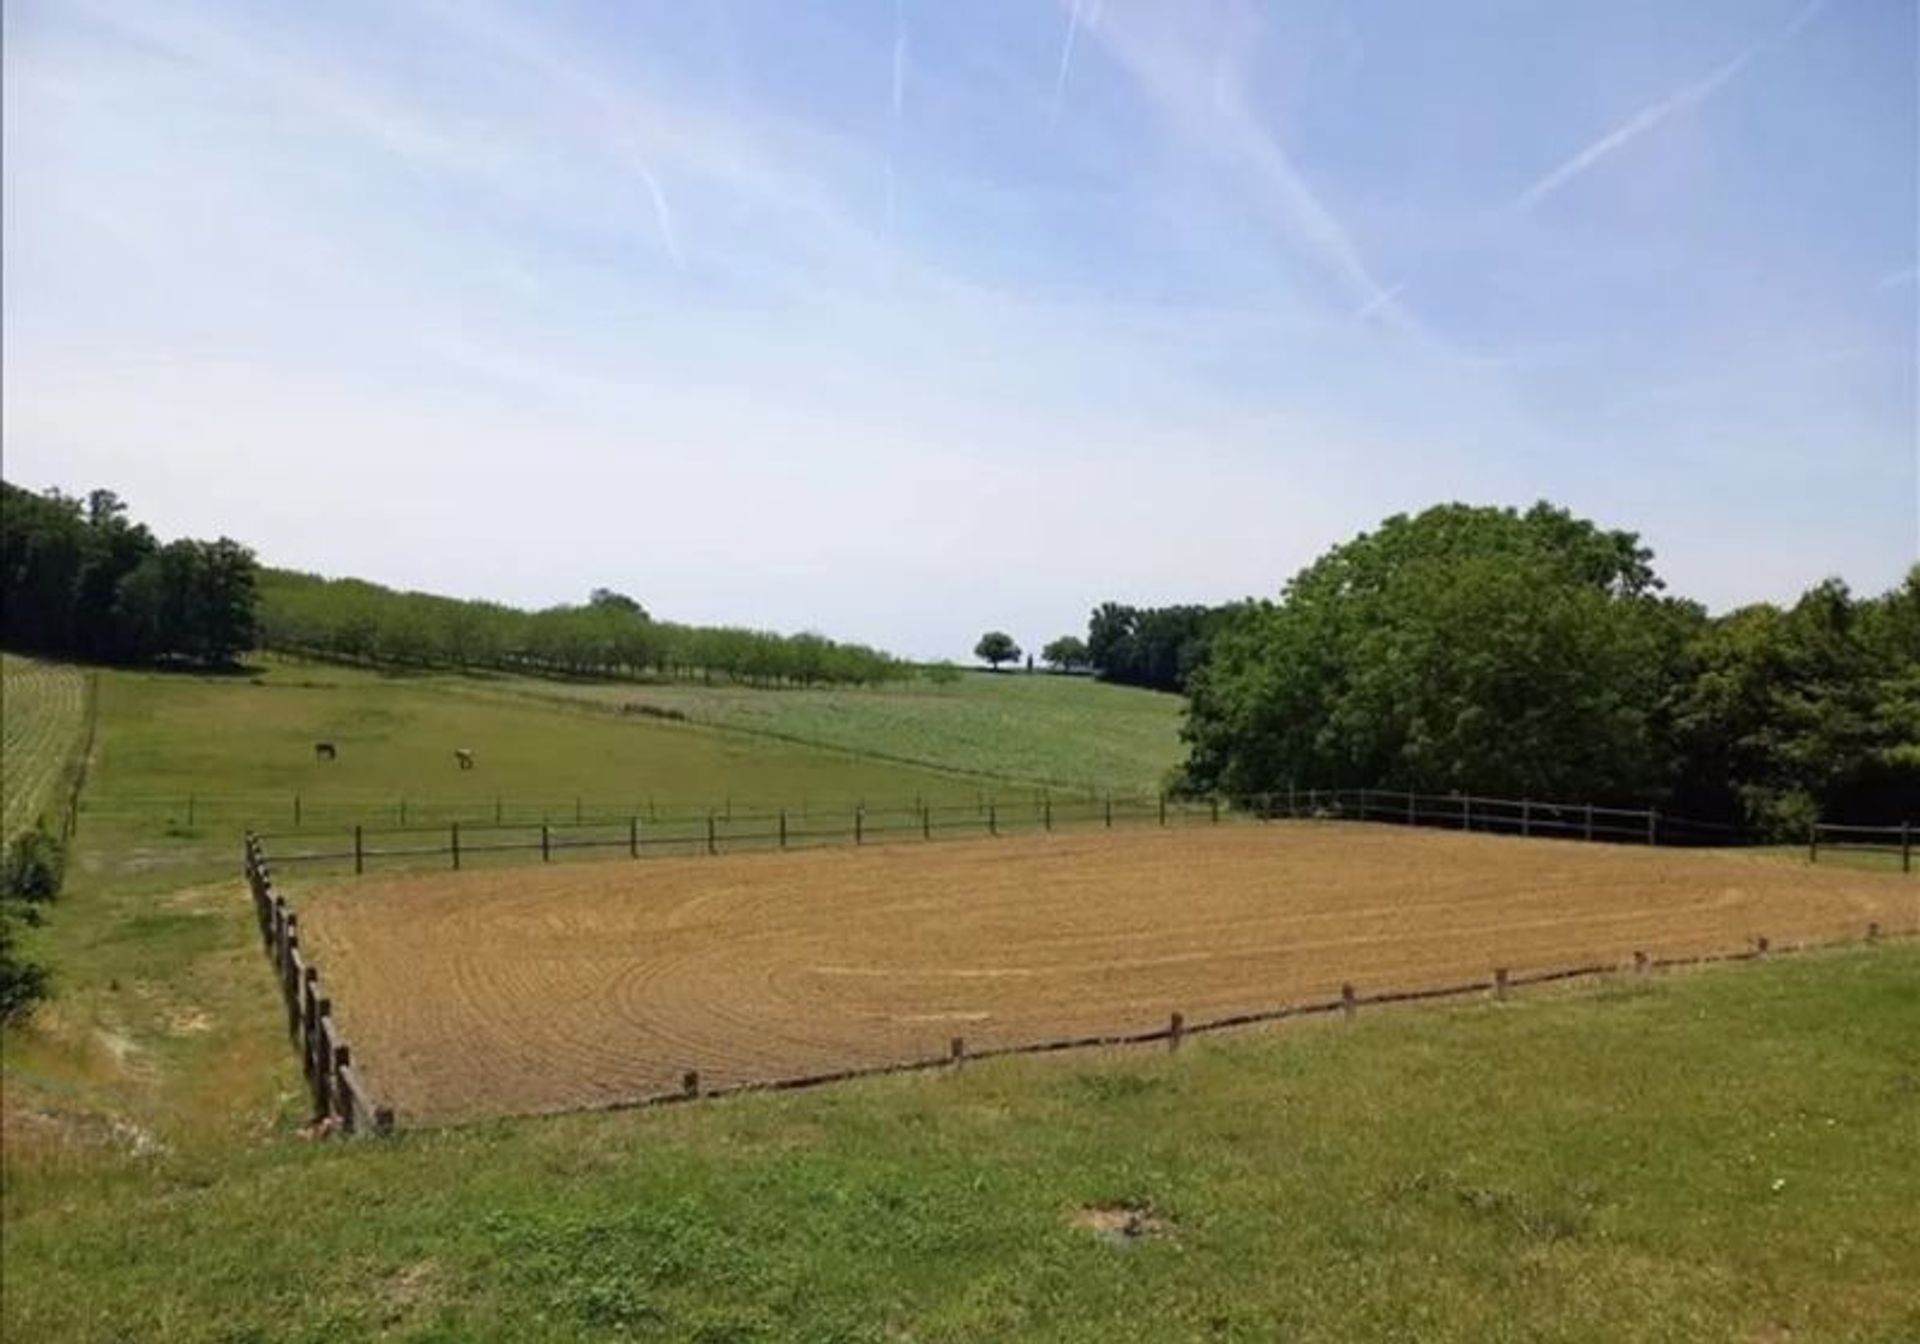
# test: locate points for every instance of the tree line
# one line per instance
(609, 635)
(78, 579)
(1535, 654)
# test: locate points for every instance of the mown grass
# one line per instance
(1729, 1154)
(45, 710)
(184, 762)
(1064, 732)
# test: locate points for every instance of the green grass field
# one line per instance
(1064, 732)
(1727, 1154)
(1720, 1154)
(45, 713)
(185, 762)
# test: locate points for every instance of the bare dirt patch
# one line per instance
(545, 988)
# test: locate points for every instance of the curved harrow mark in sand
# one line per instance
(542, 989)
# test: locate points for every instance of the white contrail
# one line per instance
(1066, 61)
(1637, 125)
(662, 215)
(899, 56)
(1379, 301)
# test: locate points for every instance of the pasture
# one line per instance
(185, 762)
(528, 990)
(44, 719)
(1060, 731)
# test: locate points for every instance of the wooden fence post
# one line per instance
(1215, 801)
(957, 1049)
(1589, 821)
(690, 1083)
(1500, 982)
(359, 853)
(993, 822)
(1349, 1001)
(1366, 805)
(1653, 826)
(633, 836)
(1176, 1027)
(1906, 846)
(783, 828)
(456, 845)
(713, 840)
(1292, 811)
(296, 811)
(1466, 811)
(859, 824)
(1813, 842)
(1046, 811)
(926, 822)
(343, 1098)
(1109, 809)
(1163, 807)
(1313, 801)
(546, 844)
(1412, 816)
(322, 1063)
(1526, 817)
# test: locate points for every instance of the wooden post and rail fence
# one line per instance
(462, 841)
(339, 1092)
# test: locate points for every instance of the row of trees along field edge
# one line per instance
(80, 580)
(1534, 654)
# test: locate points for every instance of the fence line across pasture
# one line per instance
(686, 832)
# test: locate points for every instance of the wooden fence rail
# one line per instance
(713, 832)
(338, 1089)
(1348, 1003)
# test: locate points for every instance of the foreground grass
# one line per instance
(1729, 1154)
(1064, 732)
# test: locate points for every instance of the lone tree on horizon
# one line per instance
(996, 647)
(1067, 653)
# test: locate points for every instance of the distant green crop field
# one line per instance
(44, 713)
(1065, 732)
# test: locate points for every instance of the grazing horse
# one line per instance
(464, 755)
(324, 751)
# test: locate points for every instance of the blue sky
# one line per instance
(900, 320)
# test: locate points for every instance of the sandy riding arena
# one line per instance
(531, 989)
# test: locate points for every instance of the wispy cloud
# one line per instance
(899, 56)
(1895, 279)
(1377, 302)
(1647, 118)
(1066, 62)
(1183, 73)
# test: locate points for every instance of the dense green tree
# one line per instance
(996, 647)
(80, 580)
(1066, 654)
(1467, 648)
(1157, 647)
